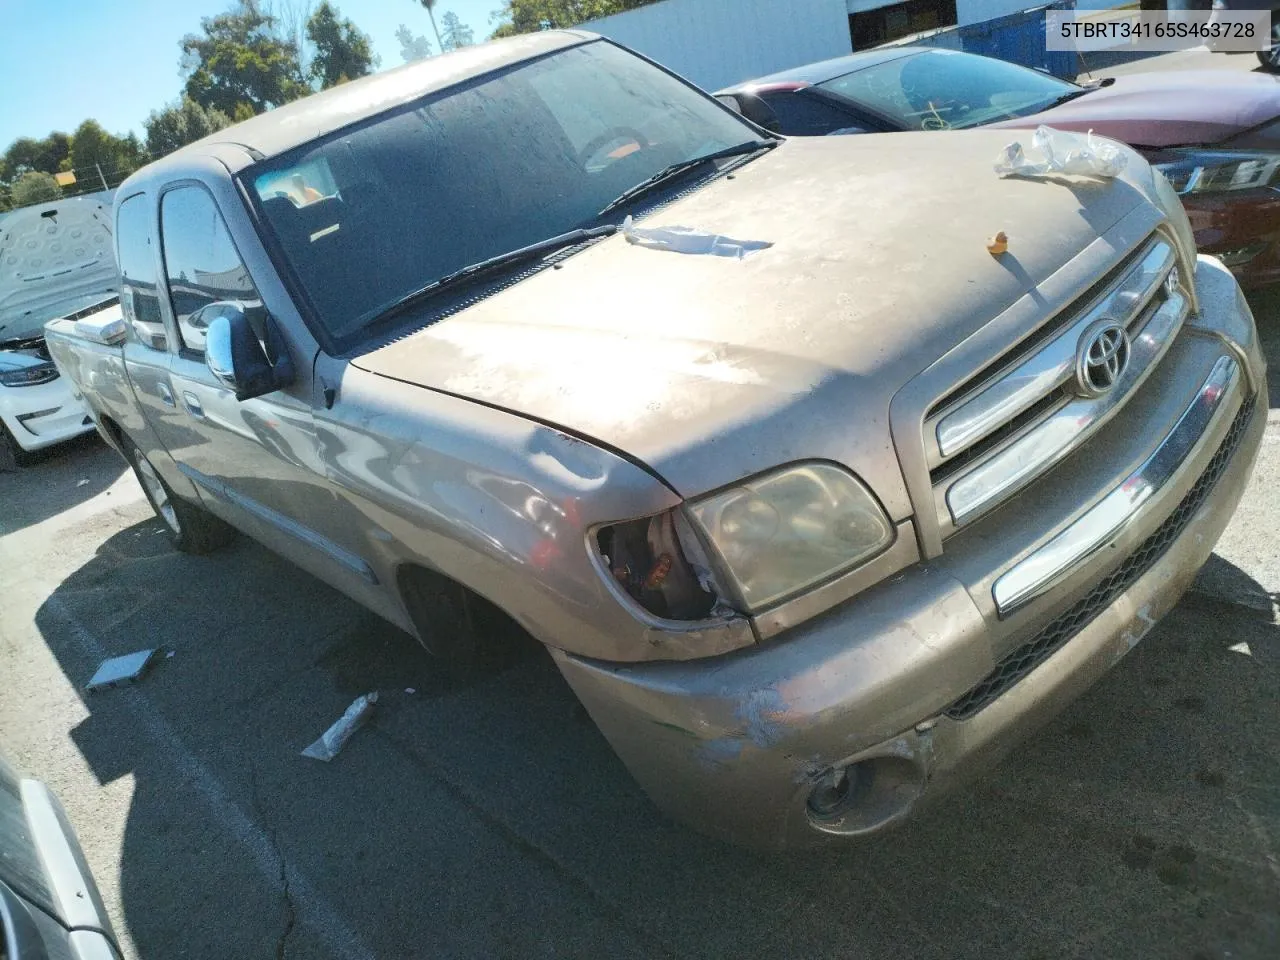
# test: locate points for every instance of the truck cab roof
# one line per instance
(293, 124)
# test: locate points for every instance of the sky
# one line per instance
(64, 61)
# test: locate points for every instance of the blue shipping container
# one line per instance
(1018, 38)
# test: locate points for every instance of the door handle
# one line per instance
(193, 403)
(165, 393)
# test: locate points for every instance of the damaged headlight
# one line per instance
(1220, 171)
(788, 530)
(29, 376)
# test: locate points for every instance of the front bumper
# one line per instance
(1243, 229)
(40, 416)
(920, 682)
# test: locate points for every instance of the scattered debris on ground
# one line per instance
(121, 670)
(333, 739)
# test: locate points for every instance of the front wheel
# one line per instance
(12, 456)
(191, 528)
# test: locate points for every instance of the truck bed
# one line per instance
(95, 370)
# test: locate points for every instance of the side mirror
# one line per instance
(237, 358)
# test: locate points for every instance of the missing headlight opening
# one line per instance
(645, 558)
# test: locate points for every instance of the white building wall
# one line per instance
(716, 43)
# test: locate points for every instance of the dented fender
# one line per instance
(504, 506)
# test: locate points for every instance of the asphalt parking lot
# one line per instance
(482, 815)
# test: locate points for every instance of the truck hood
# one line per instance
(709, 369)
(1186, 108)
(55, 258)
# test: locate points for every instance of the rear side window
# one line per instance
(139, 295)
(804, 116)
(200, 261)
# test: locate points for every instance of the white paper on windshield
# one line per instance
(689, 240)
(1062, 152)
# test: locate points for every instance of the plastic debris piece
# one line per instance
(410, 690)
(82, 482)
(333, 739)
(120, 670)
(1241, 647)
(1063, 152)
(998, 244)
(689, 240)
(169, 654)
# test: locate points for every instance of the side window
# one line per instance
(805, 116)
(139, 295)
(200, 262)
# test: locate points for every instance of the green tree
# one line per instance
(34, 186)
(239, 58)
(528, 16)
(455, 33)
(180, 123)
(94, 149)
(342, 51)
(28, 153)
(412, 48)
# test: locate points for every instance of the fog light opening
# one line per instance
(865, 796)
(832, 795)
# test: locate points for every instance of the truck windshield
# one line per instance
(375, 212)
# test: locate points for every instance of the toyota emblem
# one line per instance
(1102, 358)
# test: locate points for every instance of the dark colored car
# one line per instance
(1270, 58)
(50, 908)
(1214, 134)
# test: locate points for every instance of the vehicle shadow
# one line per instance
(63, 475)
(481, 813)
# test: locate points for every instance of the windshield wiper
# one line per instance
(676, 169)
(1066, 98)
(475, 270)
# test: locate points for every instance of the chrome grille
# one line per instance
(1014, 420)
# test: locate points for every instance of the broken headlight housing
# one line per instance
(749, 546)
(664, 573)
(783, 532)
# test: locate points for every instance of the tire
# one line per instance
(458, 626)
(12, 456)
(190, 527)
(1270, 59)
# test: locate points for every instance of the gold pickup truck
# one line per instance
(818, 503)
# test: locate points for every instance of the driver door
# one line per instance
(253, 461)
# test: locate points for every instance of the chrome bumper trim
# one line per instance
(1053, 561)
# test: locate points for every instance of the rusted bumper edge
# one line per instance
(847, 724)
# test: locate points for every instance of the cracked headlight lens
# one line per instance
(785, 531)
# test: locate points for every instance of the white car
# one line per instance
(56, 260)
